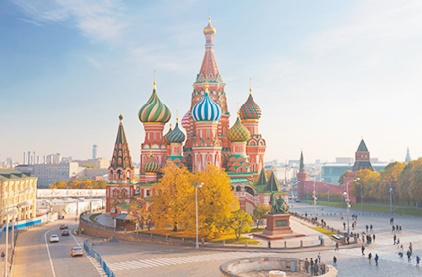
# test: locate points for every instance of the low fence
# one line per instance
(90, 251)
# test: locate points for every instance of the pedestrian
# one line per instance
(401, 249)
(367, 228)
(2, 256)
(369, 257)
(418, 260)
(400, 228)
(363, 250)
(316, 269)
(410, 248)
(398, 242)
(353, 226)
(370, 227)
(408, 255)
(269, 244)
(307, 265)
(394, 239)
(344, 225)
(312, 267)
(376, 259)
(319, 257)
(373, 237)
(322, 268)
(337, 246)
(334, 260)
(392, 228)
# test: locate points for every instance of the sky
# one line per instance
(325, 73)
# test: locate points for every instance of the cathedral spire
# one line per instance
(302, 165)
(209, 71)
(408, 159)
(121, 167)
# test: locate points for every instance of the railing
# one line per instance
(90, 251)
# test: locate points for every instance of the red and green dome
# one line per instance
(238, 132)
(250, 110)
(151, 166)
(154, 110)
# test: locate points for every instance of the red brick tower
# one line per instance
(250, 113)
(301, 178)
(154, 115)
(210, 77)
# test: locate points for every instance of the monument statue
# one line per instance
(278, 206)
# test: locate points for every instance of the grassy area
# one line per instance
(231, 238)
(375, 207)
(228, 238)
(324, 231)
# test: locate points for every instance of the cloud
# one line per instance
(372, 22)
(96, 19)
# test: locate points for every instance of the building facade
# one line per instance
(18, 191)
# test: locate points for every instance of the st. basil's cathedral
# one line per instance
(238, 150)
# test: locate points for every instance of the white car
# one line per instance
(54, 238)
(76, 251)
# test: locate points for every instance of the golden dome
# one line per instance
(209, 30)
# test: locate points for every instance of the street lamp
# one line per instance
(18, 206)
(13, 213)
(361, 192)
(347, 200)
(391, 200)
(196, 208)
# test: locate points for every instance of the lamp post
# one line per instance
(361, 193)
(18, 206)
(391, 200)
(196, 209)
(347, 200)
(13, 213)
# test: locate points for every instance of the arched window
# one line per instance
(238, 188)
(249, 190)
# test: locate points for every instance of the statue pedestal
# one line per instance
(278, 224)
(278, 227)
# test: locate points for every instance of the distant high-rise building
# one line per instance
(408, 159)
(94, 151)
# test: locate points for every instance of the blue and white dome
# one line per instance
(206, 110)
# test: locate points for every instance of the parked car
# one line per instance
(76, 251)
(54, 238)
(63, 226)
(65, 232)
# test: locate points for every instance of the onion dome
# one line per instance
(185, 120)
(206, 110)
(238, 132)
(151, 165)
(166, 136)
(154, 110)
(250, 110)
(209, 30)
(176, 136)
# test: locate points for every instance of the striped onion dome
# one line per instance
(250, 110)
(185, 120)
(206, 110)
(151, 165)
(154, 110)
(238, 132)
(166, 136)
(176, 136)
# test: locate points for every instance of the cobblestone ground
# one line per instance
(127, 259)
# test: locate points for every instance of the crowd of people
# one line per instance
(315, 267)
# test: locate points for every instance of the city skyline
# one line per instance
(336, 71)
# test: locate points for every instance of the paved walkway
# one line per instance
(310, 238)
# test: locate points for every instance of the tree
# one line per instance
(171, 199)
(389, 177)
(240, 221)
(260, 212)
(216, 201)
(139, 210)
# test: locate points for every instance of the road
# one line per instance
(158, 260)
(35, 256)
